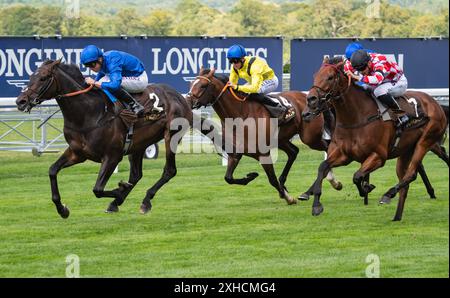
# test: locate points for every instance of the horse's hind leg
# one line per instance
(233, 161)
(125, 188)
(170, 170)
(440, 152)
(292, 152)
(421, 148)
(426, 181)
(69, 158)
(270, 172)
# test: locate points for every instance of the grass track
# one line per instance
(202, 227)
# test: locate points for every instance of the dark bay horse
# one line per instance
(360, 135)
(211, 89)
(89, 139)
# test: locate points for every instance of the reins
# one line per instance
(224, 89)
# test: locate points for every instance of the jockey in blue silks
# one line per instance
(118, 73)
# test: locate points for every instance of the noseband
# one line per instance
(327, 96)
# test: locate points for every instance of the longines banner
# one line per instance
(171, 60)
(425, 61)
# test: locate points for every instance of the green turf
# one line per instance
(202, 227)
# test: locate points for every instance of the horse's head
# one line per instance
(329, 83)
(202, 89)
(41, 87)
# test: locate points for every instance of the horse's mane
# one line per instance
(73, 71)
(221, 77)
(336, 60)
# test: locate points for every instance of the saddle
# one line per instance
(410, 106)
(278, 107)
(153, 107)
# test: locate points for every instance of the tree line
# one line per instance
(312, 19)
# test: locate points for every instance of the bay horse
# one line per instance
(211, 89)
(91, 137)
(361, 135)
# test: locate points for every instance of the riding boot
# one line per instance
(126, 97)
(389, 101)
(274, 108)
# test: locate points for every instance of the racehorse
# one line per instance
(211, 89)
(93, 132)
(361, 135)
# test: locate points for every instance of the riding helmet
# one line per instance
(351, 48)
(359, 59)
(90, 53)
(236, 52)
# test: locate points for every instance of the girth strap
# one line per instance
(128, 140)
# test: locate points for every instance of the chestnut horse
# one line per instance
(92, 137)
(211, 89)
(360, 135)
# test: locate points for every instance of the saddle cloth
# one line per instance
(150, 99)
(410, 105)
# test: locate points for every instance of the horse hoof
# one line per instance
(291, 201)
(385, 200)
(112, 208)
(65, 212)
(303, 197)
(337, 186)
(252, 175)
(145, 209)
(317, 210)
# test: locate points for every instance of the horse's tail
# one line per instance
(445, 108)
(444, 136)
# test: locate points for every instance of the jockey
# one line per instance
(385, 78)
(349, 50)
(260, 77)
(117, 72)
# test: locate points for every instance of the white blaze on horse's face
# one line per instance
(193, 84)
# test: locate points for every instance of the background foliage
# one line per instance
(313, 18)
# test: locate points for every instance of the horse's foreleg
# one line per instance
(270, 172)
(69, 158)
(106, 170)
(336, 184)
(233, 161)
(292, 152)
(361, 177)
(335, 159)
(125, 188)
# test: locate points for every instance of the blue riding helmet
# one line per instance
(236, 52)
(90, 53)
(351, 48)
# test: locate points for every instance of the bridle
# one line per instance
(43, 90)
(218, 97)
(332, 93)
(334, 89)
